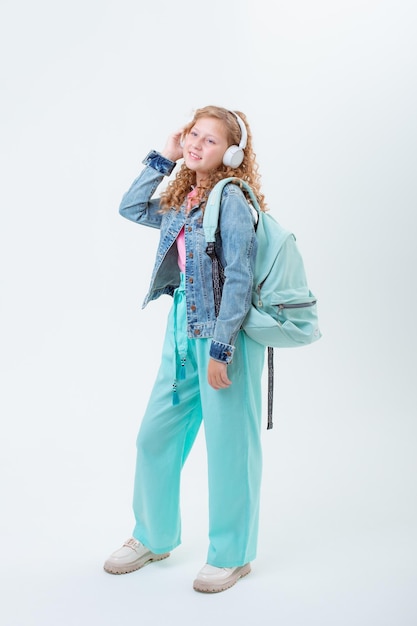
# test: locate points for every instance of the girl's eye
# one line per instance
(210, 140)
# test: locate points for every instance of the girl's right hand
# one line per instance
(173, 149)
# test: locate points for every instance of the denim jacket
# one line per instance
(235, 245)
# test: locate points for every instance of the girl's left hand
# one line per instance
(217, 375)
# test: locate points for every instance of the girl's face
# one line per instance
(204, 146)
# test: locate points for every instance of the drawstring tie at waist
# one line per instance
(180, 336)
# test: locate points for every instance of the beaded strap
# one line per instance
(218, 282)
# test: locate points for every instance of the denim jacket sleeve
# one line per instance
(237, 252)
(137, 203)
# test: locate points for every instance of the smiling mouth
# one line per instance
(193, 155)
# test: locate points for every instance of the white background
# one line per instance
(87, 88)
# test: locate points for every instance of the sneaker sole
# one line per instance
(133, 567)
(204, 587)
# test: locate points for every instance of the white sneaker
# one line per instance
(131, 556)
(211, 579)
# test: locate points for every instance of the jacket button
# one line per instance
(191, 280)
(193, 307)
(191, 255)
(190, 228)
(197, 331)
(228, 354)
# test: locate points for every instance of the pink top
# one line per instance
(181, 235)
(181, 250)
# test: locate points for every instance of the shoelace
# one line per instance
(132, 543)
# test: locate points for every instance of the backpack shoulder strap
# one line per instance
(212, 208)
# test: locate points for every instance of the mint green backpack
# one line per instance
(284, 310)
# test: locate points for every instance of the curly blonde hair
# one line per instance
(180, 186)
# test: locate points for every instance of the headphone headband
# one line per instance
(243, 131)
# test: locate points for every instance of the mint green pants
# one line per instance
(232, 425)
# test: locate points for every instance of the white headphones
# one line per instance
(234, 155)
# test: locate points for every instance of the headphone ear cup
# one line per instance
(233, 156)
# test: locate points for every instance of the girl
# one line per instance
(210, 370)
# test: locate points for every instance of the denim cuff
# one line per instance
(222, 352)
(159, 163)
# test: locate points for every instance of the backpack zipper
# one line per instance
(299, 305)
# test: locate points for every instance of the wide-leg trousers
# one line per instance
(232, 428)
